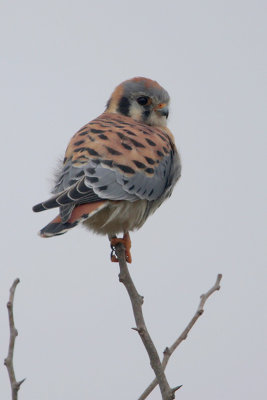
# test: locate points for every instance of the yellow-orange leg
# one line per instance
(126, 241)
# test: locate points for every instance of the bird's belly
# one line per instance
(118, 217)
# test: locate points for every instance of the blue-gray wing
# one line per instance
(115, 161)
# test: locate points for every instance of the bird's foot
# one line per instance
(126, 241)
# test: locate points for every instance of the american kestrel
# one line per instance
(119, 168)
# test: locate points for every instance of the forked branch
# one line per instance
(169, 350)
(15, 386)
(167, 392)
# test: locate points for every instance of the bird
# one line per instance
(118, 168)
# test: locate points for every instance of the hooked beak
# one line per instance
(162, 109)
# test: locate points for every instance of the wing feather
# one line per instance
(115, 158)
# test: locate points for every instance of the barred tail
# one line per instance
(56, 228)
(80, 213)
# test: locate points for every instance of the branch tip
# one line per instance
(176, 388)
(169, 350)
(166, 351)
(20, 382)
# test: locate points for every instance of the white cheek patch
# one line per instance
(135, 112)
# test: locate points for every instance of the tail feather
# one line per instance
(46, 205)
(65, 212)
(77, 193)
(56, 228)
(80, 213)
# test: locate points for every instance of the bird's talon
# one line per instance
(126, 241)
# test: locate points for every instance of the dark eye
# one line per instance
(143, 100)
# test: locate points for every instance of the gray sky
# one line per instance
(59, 63)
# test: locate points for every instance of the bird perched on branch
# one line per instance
(119, 168)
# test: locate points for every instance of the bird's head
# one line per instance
(142, 99)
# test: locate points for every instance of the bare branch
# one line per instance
(169, 350)
(15, 386)
(166, 392)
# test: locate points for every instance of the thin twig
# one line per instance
(137, 301)
(15, 386)
(169, 350)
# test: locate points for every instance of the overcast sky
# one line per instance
(60, 60)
